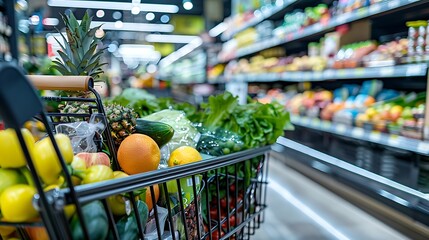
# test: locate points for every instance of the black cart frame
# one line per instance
(226, 204)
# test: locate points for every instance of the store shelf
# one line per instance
(318, 28)
(394, 141)
(259, 18)
(407, 70)
(409, 201)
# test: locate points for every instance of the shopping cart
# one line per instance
(218, 198)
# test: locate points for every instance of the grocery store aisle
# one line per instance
(299, 208)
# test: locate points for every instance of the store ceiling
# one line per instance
(198, 9)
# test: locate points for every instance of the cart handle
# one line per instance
(66, 83)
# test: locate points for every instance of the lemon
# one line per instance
(184, 155)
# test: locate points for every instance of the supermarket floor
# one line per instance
(299, 208)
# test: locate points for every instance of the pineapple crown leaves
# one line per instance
(78, 54)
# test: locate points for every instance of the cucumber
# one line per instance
(160, 132)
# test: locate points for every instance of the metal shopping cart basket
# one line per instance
(218, 198)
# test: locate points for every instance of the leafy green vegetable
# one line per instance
(127, 226)
(219, 108)
(258, 124)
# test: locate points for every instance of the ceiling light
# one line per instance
(50, 21)
(34, 20)
(119, 24)
(165, 18)
(99, 33)
(117, 15)
(138, 52)
(218, 29)
(170, 38)
(99, 13)
(134, 27)
(151, 68)
(187, 4)
(166, 8)
(135, 10)
(112, 47)
(150, 16)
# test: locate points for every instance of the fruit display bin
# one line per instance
(217, 198)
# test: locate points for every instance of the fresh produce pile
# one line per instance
(141, 149)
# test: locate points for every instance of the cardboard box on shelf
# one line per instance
(345, 34)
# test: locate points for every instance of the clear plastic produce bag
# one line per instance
(218, 142)
(185, 134)
(84, 136)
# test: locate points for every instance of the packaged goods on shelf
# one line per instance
(351, 55)
(418, 41)
(368, 106)
(387, 54)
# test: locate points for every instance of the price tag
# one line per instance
(342, 73)
(413, 70)
(393, 4)
(387, 71)
(360, 71)
(306, 76)
(393, 140)
(329, 74)
(375, 136)
(341, 128)
(315, 122)
(317, 75)
(375, 8)
(423, 147)
(326, 125)
(305, 121)
(358, 132)
(341, 19)
(285, 76)
(362, 12)
(294, 76)
(317, 27)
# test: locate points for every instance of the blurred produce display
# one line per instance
(368, 106)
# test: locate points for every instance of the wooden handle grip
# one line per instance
(66, 83)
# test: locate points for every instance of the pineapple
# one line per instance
(79, 55)
(122, 121)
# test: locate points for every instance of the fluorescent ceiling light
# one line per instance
(150, 16)
(181, 52)
(134, 27)
(218, 29)
(165, 8)
(170, 38)
(138, 52)
(187, 4)
(50, 21)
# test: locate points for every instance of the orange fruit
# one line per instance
(148, 199)
(184, 155)
(138, 153)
